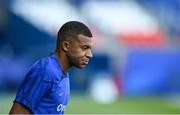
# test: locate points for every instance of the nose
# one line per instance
(89, 54)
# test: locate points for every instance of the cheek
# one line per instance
(80, 58)
(76, 55)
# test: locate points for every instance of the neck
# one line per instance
(63, 60)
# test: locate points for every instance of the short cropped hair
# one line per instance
(71, 30)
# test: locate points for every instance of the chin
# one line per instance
(81, 66)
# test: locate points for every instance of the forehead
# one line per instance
(82, 39)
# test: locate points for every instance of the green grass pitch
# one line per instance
(83, 104)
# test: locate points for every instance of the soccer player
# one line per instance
(45, 89)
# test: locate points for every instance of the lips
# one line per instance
(85, 62)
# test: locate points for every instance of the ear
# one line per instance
(65, 46)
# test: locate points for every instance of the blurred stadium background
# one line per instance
(136, 64)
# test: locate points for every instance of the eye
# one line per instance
(85, 47)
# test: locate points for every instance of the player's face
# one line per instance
(80, 51)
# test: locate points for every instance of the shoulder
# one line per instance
(47, 68)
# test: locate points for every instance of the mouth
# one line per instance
(85, 62)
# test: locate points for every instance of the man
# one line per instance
(45, 89)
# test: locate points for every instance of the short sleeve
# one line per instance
(32, 89)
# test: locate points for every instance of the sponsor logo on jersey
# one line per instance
(61, 108)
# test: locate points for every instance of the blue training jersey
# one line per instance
(45, 89)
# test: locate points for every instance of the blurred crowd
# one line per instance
(136, 42)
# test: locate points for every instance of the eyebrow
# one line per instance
(89, 46)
